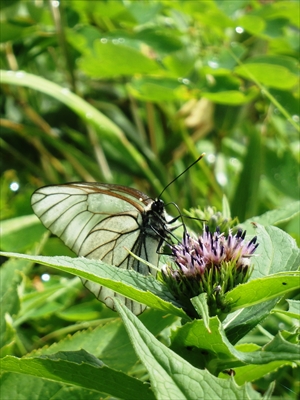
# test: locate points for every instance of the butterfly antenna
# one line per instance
(183, 172)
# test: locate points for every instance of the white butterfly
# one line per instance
(100, 221)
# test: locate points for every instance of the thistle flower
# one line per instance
(213, 264)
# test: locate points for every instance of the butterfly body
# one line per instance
(101, 221)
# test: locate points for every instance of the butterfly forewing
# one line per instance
(101, 222)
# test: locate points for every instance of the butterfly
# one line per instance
(101, 221)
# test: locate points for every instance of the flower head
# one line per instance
(213, 264)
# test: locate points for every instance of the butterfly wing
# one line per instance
(99, 221)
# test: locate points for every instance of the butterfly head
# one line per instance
(158, 206)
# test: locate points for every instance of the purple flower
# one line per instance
(211, 249)
(213, 264)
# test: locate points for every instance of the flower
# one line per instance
(214, 264)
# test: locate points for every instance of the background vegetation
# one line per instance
(132, 92)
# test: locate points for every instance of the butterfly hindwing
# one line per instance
(101, 221)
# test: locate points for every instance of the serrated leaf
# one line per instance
(171, 376)
(222, 353)
(111, 340)
(146, 290)
(80, 369)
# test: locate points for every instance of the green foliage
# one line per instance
(131, 93)
(206, 335)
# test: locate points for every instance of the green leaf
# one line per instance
(113, 345)
(83, 38)
(293, 311)
(79, 369)
(231, 97)
(111, 59)
(171, 376)
(161, 40)
(281, 169)
(225, 60)
(253, 372)
(43, 303)
(285, 9)
(287, 62)
(226, 213)
(222, 354)
(14, 224)
(10, 277)
(277, 252)
(273, 217)
(200, 305)
(20, 233)
(242, 321)
(131, 284)
(180, 63)
(252, 24)
(213, 17)
(10, 31)
(80, 312)
(18, 386)
(144, 12)
(268, 75)
(152, 89)
(284, 342)
(7, 3)
(245, 201)
(195, 334)
(12, 274)
(264, 289)
(111, 339)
